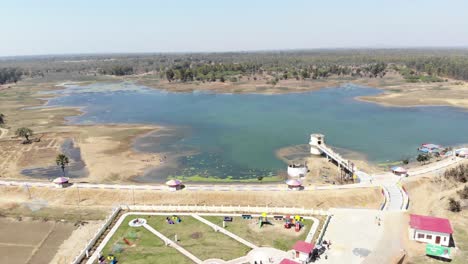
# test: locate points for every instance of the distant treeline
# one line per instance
(10, 75)
(118, 70)
(187, 72)
(414, 64)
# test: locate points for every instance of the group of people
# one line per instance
(378, 220)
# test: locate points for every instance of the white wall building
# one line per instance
(296, 170)
(432, 230)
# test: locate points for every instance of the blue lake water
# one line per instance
(237, 134)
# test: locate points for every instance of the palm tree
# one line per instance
(62, 161)
(24, 132)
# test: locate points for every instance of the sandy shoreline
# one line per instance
(106, 149)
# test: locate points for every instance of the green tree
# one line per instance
(24, 132)
(62, 161)
(170, 75)
(422, 158)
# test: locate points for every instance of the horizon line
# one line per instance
(234, 51)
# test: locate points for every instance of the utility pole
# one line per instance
(133, 195)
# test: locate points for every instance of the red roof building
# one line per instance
(303, 250)
(288, 261)
(303, 247)
(430, 223)
(429, 229)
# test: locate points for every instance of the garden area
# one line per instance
(138, 245)
(274, 235)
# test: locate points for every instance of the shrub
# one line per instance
(454, 205)
(459, 173)
(463, 193)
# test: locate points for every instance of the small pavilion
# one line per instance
(294, 184)
(174, 185)
(61, 182)
(397, 170)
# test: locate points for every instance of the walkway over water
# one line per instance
(346, 164)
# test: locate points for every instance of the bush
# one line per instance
(463, 193)
(459, 173)
(454, 205)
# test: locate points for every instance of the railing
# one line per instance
(324, 228)
(85, 252)
(225, 209)
(384, 203)
(336, 156)
(405, 196)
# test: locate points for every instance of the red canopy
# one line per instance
(288, 261)
(430, 223)
(303, 246)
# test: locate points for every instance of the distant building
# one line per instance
(302, 251)
(462, 153)
(428, 229)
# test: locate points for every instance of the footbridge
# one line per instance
(318, 147)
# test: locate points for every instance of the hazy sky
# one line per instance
(85, 26)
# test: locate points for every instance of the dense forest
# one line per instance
(416, 65)
(10, 75)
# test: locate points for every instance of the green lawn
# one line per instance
(273, 236)
(147, 247)
(199, 239)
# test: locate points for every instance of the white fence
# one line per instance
(195, 209)
(85, 252)
(225, 209)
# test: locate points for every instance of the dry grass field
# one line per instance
(321, 199)
(31, 241)
(430, 197)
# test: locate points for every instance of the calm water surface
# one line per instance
(237, 134)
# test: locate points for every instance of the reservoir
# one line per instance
(237, 135)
